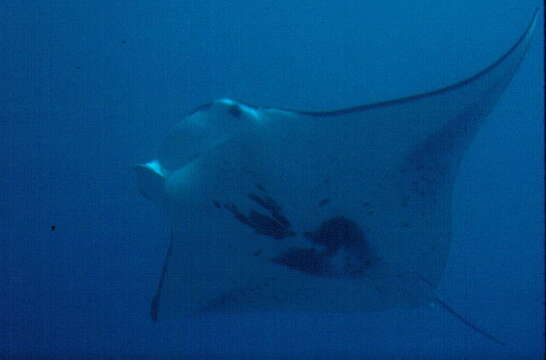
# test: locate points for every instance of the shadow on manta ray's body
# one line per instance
(341, 211)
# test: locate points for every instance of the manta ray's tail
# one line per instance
(452, 311)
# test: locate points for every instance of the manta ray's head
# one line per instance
(203, 129)
(199, 132)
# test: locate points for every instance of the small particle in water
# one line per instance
(324, 202)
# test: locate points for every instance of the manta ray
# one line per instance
(350, 210)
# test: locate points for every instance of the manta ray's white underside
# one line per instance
(340, 211)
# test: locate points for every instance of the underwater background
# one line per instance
(87, 89)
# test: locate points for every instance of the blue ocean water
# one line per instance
(90, 88)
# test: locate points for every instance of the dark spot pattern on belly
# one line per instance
(306, 260)
(260, 187)
(275, 226)
(271, 206)
(335, 233)
(264, 201)
(337, 238)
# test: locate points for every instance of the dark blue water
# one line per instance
(89, 88)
